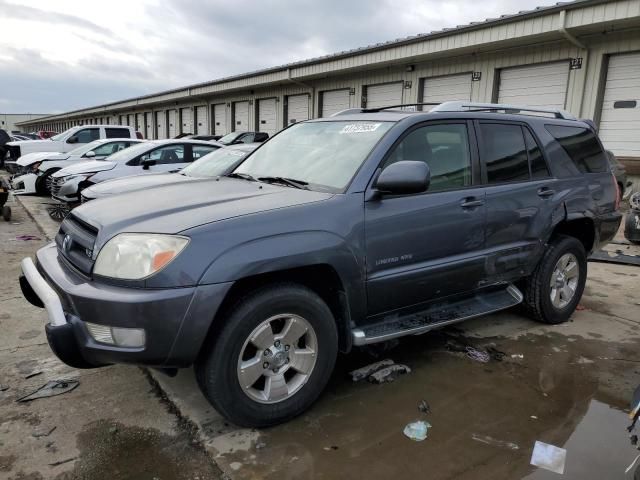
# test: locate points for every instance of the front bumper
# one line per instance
(24, 183)
(67, 191)
(176, 321)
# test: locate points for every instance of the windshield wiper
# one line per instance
(244, 176)
(292, 182)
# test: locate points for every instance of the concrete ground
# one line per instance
(567, 385)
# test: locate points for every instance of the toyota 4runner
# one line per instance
(337, 232)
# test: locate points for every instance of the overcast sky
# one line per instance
(62, 55)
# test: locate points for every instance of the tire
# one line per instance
(41, 183)
(537, 288)
(253, 403)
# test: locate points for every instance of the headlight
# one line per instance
(134, 256)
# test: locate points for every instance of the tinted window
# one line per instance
(87, 135)
(110, 148)
(538, 165)
(504, 153)
(200, 151)
(117, 132)
(166, 155)
(582, 147)
(445, 148)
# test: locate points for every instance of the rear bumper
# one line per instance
(175, 321)
(607, 226)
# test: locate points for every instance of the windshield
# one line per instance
(130, 152)
(322, 154)
(229, 137)
(59, 136)
(87, 147)
(215, 163)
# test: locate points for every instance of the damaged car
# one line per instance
(335, 233)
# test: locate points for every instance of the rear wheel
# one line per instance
(552, 292)
(272, 358)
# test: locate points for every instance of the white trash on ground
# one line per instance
(549, 457)
(417, 431)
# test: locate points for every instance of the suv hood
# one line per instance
(90, 166)
(134, 183)
(28, 146)
(31, 158)
(177, 207)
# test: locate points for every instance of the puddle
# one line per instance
(112, 451)
(568, 394)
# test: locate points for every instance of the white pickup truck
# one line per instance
(65, 141)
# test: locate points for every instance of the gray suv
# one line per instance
(335, 233)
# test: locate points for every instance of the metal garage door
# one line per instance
(173, 123)
(186, 123)
(446, 88)
(131, 120)
(384, 95)
(140, 122)
(535, 85)
(267, 116)
(334, 101)
(148, 122)
(297, 108)
(240, 117)
(220, 119)
(202, 122)
(620, 118)
(161, 125)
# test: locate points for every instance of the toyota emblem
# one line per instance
(66, 243)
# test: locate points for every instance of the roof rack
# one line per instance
(458, 106)
(349, 111)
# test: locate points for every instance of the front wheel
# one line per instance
(272, 357)
(552, 292)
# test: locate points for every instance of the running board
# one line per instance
(438, 315)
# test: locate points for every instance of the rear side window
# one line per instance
(539, 167)
(504, 152)
(117, 132)
(582, 147)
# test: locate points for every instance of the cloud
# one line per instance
(59, 56)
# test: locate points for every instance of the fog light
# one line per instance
(121, 337)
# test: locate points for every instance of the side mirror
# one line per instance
(72, 139)
(405, 177)
(90, 154)
(148, 163)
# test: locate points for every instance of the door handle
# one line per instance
(545, 192)
(471, 202)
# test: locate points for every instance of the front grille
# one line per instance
(75, 241)
(55, 184)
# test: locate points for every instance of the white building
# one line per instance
(9, 121)
(582, 56)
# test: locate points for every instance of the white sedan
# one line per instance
(35, 169)
(150, 157)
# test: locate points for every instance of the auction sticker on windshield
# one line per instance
(360, 128)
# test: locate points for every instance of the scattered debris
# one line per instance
(417, 431)
(615, 257)
(389, 374)
(364, 372)
(332, 447)
(424, 407)
(549, 457)
(39, 434)
(113, 430)
(478, 355)
(58, 211)
(634, 440)
(580, 307)
(534, 417)
(517, 355)
(62, 462)
(495, 354)
(33, 374)
(51, 389)
(260, 445)
(632, 464)
(26, 238)
(496, 443)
